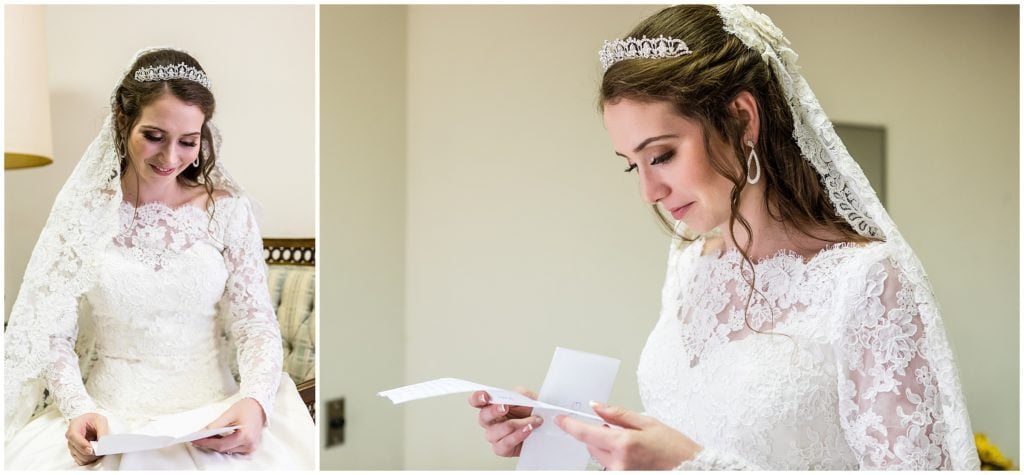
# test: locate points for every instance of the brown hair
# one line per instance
(131, 96)
(701, 86)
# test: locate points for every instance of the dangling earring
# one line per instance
(757, 164)
(196, 163)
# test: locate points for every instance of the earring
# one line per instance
(196, 163)
(757, 164)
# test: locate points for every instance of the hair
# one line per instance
(701, 86)
(132, 96)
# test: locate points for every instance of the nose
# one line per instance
(652, 189)
(175, 152)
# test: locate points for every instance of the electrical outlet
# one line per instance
(335, 422)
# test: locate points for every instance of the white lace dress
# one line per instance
(170, 285)
(837, 378)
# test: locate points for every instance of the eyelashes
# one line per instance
(159, 138)
(663, 158)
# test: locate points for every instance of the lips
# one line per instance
(679, 212)
(161, 171)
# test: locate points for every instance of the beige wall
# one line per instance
(260, 60)
(363, 202)
(521, 232)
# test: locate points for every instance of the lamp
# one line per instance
(27, 135)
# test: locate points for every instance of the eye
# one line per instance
(152, 137)
(632, 167)
(663, 157)
(188, 144)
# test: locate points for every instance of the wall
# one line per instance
(260, 60)
(363, 208)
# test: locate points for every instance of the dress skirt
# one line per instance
(289, 441)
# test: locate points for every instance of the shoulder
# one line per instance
(875, 281)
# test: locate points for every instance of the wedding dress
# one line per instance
(836, 376)
(840, 361)
(170, 286)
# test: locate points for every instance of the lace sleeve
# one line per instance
(889, 404)
(64, 378)
(251, 320)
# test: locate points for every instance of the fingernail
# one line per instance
(595, 404)
(483, 399)
(538, 420)
(502, 408)
(528, 428)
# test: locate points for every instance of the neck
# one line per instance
(136, 190)
(769, 235)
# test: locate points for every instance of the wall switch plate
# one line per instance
(335, 422)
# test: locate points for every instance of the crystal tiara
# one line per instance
(175, 71)
(632, 48)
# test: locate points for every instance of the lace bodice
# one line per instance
(170, 285)
(834, 377)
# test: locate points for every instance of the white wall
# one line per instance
(522, 233)
(260, 60)
(363, 203)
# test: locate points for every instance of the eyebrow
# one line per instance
(158, 129)
(648, 142)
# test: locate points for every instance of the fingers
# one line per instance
(519, 412)
(479, 399)
(241, 441)
(515, 432)
(226, 419)
(599, 437)
(76, 438)
(602, 457)
(496, 432)
(220, 444)
(492, 414)
(100, 426)
(80, 457)
(620, 416)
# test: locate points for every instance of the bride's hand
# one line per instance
(246, 413)
(82, 429)
(505, 427)
(642, 443)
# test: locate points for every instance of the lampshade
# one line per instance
(27, 136)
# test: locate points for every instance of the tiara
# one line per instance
(176, 71)
(632, 48)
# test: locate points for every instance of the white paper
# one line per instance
(574, 379)
(124, 443)
(163, 431)
(445, 386)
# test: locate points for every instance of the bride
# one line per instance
(803, 334)
(152, 236)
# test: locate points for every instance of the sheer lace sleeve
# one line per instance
(64, 378)
(251, 320)
(889, 405)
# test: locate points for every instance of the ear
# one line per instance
(745, 107)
